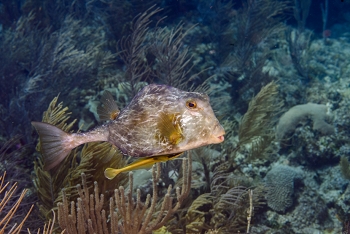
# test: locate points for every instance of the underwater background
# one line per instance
(278, 76)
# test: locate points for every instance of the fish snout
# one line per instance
(218, 133)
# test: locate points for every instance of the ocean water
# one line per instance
(278, 76)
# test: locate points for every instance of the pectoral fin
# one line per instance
(169, 128)
(108, 109)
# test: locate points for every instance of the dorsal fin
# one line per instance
(169, 128)
(108, 108)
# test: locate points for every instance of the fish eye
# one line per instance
(191, 104)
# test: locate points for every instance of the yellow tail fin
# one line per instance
(110, 173)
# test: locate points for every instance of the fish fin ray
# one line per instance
(108, 109)
(54, 144)
(141, 163)
(174, 156)
(169, 128)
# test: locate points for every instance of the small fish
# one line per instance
(142, 163)
(159, 120)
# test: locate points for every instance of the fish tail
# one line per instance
(110, 173)
(55, 144)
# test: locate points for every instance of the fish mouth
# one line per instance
(217, 139)
(221, 138)
(219, 133)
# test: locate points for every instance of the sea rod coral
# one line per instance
(125, 214)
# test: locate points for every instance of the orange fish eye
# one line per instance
(191, 104)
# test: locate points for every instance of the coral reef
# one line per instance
(256, 124)
(279, 183)
(295, 115)
(9, 207)
(92, 159)
(274, 71)
(243, 67)
(125, 214)
(13, 155)
(36, 61)
(173, 60)
(8, 210)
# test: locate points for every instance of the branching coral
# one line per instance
(92, 160)
(172, 66)
(118, 15)
(251, 44)
(299, 44)
(48, 228)
(257, 123)
(232, 200)
(252, 31)
(37, 61)
(301, 12)
(13, 155)
(132, 51)
(197, 212)
(228, 207)
(157, 54)
(7, 225)
(125, 214)
(224, 196)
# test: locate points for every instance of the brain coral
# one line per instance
(279, 182)
(317, 112)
